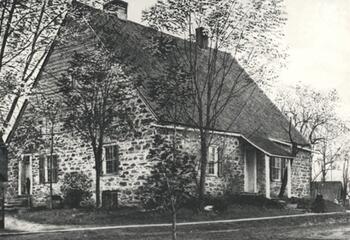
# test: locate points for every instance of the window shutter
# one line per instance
(116, 155)
(220, 160)
(55, 169)
(41, 169)
(283, 167)
(272, 163)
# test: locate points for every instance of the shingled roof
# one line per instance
(251, 114)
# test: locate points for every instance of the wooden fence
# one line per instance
(329, 190)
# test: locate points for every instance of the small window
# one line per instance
(112, 159)
(276, 168)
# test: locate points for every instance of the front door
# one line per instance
(250, 170)
(25, 176)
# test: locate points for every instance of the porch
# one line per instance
(264, 172)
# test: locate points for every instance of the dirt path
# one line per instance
(323, 232)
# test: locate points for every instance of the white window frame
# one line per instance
(46, 169)
(277, 165)
(213, 152)
(104, 160)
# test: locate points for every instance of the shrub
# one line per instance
(220, 203)
(76, 188)
(318, 206)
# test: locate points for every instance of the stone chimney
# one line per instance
(118, 7)
(201, 38)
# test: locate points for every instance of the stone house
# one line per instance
(257, 145)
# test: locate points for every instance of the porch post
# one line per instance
(267, 176)
(31, 175)
(19, 177)
(289, 178)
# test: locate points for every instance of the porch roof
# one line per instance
(269, 147)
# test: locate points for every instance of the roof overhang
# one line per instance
(265, 145)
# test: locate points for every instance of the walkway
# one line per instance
(16, 226)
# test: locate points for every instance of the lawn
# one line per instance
(126, 216)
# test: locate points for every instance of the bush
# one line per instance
(76, 188)
(220, 203)
(318, 206)
(254, 200)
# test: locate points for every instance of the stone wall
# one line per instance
(301, 174)
(232, 179)
(76, 155)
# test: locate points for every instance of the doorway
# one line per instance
(250, 170)
(25, 176)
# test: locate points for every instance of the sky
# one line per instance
(318, 36)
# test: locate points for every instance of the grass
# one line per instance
(126, 216)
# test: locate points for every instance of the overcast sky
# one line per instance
(318, 35)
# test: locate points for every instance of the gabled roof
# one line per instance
(251, 114)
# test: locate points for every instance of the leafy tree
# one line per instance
(94, 95)
(203, 67)
(170, 184)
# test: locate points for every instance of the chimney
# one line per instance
(201, 38)
(118, 7)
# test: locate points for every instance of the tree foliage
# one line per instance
(94, 95)
(76, 187)
(171, 182)
(202, 81)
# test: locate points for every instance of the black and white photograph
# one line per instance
(174, 119)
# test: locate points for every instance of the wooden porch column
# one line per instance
(267, 176)
(20, 177)
(289, 178)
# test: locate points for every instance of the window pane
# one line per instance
(112, 159)
(211, 168)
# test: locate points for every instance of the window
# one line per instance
(214, 161)
(276, 169)
(111, 159)
(48, 168)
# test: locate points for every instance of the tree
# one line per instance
(313, 114)
(27, 29)
(204, 66)
(94, 94)
(49, 108)
(171, 181)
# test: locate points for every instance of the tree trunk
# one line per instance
(173, 224)
(51, 164)
(284, 183)
(97, 190)
(203, 170)
(7, 31)
(98, 160)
